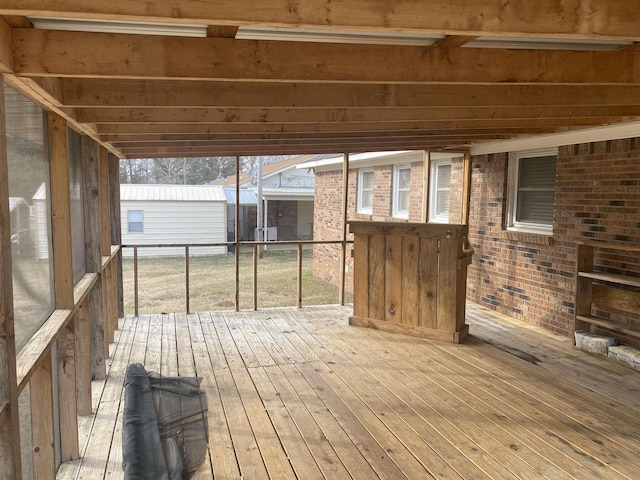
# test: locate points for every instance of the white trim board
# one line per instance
(588, 135)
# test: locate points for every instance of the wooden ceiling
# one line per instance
(144, 95)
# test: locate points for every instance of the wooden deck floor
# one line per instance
(300, 394)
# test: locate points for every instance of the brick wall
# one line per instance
(596, 198)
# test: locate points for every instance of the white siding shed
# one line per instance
(173, 214)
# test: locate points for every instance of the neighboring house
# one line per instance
(248, 213)
(173, 214)
(529, 207)
(287, 195)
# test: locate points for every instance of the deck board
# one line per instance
(298, 393)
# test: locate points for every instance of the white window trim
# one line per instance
(360, 208)
(433, 191)
(396, 191)
(129, 222)
(512, 195)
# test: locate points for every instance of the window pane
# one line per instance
(403, 201)
(536, 190)
(444, 176)
(367, 181)
(538, 172)
(535, 207)
(28, 168)
(442, 202)
(404, 178)
(135, 220)
(367, 199)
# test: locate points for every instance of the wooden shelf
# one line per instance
(611, 277)
(611, 325)
(612, 296)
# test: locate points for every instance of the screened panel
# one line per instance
(77, 211)
(30, 206)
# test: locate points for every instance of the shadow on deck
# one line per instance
(297, 393)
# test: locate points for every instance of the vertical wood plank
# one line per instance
(428, 286)
(393, 279)
(410, 299)
(63, 284)
(447, 283)
(116, 226)
(105, 202)
(9, 422)
(61, 211)
(466, 188)
(361, 275)
(426, 173)
(93, 255)
(42, 433)
(114, 296)
(187, 274)
(343, 245)
(377, 260)
(67, 389)
(583, 298)
(299, 277)
(255, 276)
(83, 359)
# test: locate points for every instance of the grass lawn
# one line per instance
(161, 283)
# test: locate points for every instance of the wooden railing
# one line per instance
(255, 247)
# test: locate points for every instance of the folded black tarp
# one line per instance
(164, 427)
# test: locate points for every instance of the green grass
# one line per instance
(212, 283)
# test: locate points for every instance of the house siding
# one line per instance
(176, 223)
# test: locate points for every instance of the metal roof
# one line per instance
(172, 193)
(247, 197)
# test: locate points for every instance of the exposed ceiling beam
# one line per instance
(567, 18)
(104, 55)
(6, 48)
(208, 128)
(345, 116)
(121, 138)
(149, 93)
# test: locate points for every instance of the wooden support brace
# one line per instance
(42, 432)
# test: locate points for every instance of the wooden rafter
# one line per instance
(569, 18)
(81, 54)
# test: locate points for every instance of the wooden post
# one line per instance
(299, 289)
(466, 188)
(186, 277)
(42, 432)
(343, 244)
(135, 280)
(237, 235)
(116, 228)
(63, 285)
(105, 240)
(426, 173)
(9, 415)
(255, 276)
(83, 358)
(93, 254)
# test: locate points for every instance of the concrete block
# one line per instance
(627, 355)
(592, 343)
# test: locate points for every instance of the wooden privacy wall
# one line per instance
(411, 278)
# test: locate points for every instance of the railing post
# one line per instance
(186, 276)
(299, 289)
(255, 277)
(135, 279)
(343, 245)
